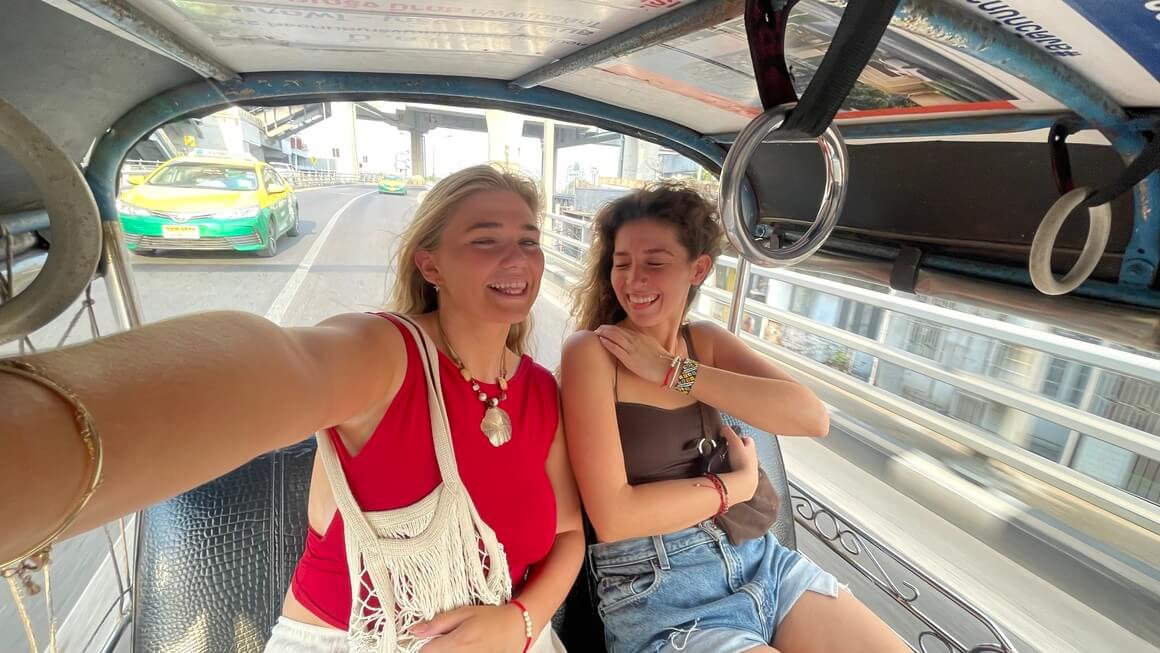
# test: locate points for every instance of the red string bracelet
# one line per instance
(722, 491)
(527, 624)
(674, 363)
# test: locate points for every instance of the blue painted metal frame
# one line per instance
(24, 222)
(202, 98)
(997, 123)
(1091, 289)
(977, 37)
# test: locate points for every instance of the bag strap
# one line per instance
(440, 424)
(352, 516)
(348, 507)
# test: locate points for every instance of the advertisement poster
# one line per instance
(501, 27)
(905, 76)
(914, 72)
(1114, 43)
(911, 74)
(1133, 24)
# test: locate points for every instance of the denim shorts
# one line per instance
(693, 591)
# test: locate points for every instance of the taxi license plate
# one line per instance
(180, 231)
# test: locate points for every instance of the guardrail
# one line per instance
(898, 578)
(316, 178)
(825, 349)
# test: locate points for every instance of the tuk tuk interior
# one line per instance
(938, 188)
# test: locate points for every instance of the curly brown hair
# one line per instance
(698, 230)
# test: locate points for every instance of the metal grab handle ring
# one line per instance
(837, 164)
(73, 218)
(1099, 228)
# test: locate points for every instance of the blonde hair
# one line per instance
(593, 300)
(412, 294)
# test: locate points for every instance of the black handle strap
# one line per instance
(860, 29)
(1143, 165)
(765, 23)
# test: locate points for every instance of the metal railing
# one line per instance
(903, 581)
(1125, 505)
(1077, 350)
(1077, 484)
(567, 219)
(316, 178)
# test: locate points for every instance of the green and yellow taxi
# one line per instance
(209, 202)
(393, 184)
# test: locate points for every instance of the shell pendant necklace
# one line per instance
(496, 424)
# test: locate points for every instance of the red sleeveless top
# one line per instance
(397, 467)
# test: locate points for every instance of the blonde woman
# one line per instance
(469, 272)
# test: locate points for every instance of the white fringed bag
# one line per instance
(410, 564)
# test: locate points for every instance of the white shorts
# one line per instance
(291, 636)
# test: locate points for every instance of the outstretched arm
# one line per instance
(176, 404)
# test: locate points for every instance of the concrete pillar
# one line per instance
(548, 169)
(639, 159)
(629, 157)
(648, 160)
(229, 123)
(345, 138)
(504, 131)
(356, 166)
(418, 152)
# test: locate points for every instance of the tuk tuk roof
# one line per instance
(673, 71)
(686, 62)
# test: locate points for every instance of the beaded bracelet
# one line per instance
(686, 377)
(527, 624)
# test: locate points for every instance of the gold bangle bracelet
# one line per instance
(93, 446)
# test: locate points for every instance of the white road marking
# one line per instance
(294, 284)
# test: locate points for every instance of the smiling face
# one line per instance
(650, 247)
(488, 260)
(652, 272)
